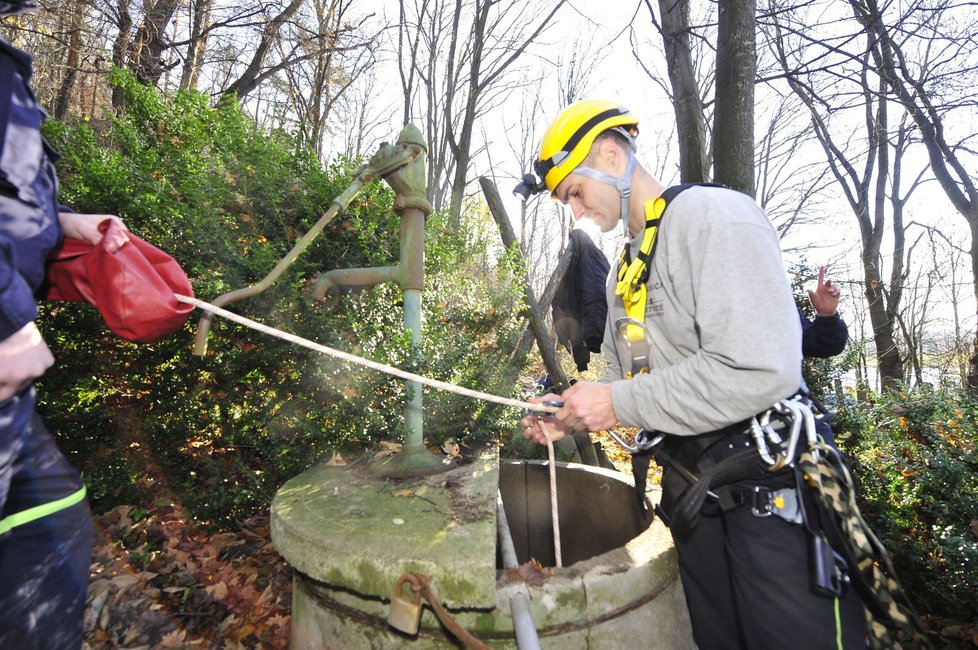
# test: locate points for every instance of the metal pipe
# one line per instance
(412, 281)
(519, 603)
(388, 159)
(327, 282)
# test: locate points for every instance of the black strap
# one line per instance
(640, 472)
(668, 195)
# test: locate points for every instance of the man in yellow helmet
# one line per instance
(702, 335)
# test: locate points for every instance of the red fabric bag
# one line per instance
(132, 288)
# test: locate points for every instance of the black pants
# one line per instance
(44, 564)
(746, 580)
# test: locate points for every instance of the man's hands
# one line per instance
(85, 226)
(587, 407)
(24, 356)
(825, 298)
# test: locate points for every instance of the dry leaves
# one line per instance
(161, 583)
(532, 573)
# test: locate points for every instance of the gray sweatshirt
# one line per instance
(726, 339)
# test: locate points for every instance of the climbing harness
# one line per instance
(812, 488)
(633, 277)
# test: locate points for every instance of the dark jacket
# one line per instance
(580, 307)
(28, 190)
(824, 337)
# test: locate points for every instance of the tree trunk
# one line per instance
(694, 164)
(972, 376)
(121, 47)
(462, 145)
(149, 43)
(198, 44)
(63, 99)
(733, 130)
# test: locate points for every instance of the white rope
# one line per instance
(352, 358)
(554, 518)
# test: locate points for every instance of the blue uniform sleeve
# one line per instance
(17, 306)
(28, 186)
(824, 337)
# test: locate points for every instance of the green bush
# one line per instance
(228, 200)
(915, 461)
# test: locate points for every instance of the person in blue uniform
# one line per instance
(826, 335)
(45, 524)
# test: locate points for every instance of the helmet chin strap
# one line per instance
(622, 183)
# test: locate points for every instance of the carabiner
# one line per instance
(642, 441)
(540, 414)
(621, 326)
(640, 359)
(757, 434)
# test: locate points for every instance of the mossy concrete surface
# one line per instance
(350, 528)
(336, 526)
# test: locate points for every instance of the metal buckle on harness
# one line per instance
(640, 359)
(783, 503)
(755, 497)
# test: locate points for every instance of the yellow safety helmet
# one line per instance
(569, 137)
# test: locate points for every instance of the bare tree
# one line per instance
(333, 55)
(684, 88)
(874, 189)
(460, 61)
(150, 40)
(200, 22)
(73, 62)
(922, 86)
(256, 70)
(949, 261)
(363, 115)
(915, 316)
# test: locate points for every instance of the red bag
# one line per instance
(132, 288)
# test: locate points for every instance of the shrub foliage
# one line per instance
(228, 200)
(915, 461)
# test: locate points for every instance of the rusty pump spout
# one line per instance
(402, 166)
(388, 159)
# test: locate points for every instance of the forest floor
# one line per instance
(159, 582)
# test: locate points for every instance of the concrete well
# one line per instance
(350, 534)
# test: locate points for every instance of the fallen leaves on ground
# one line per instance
(158, 581)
